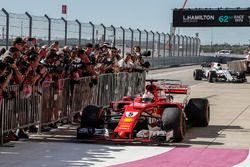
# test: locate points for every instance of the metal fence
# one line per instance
(54, 101)
(69, 32)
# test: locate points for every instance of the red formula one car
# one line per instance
(155, 116)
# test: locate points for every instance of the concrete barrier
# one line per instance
(159, 62)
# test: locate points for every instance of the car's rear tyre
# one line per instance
(212, 76)
(197, 74)
(173, 118)
(91, 117)
(198, 112)
(241, 76)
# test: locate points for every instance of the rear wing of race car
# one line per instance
(176, 89)
(170, 86)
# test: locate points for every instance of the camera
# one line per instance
(10, 60)
(31, 39)
(146, 53)
(9, 95)
(2, 79)
(146, 64)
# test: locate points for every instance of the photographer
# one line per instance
(110, 61)
(4, 77)
(9, 58)
(55, 46)
(34, 71)
(139, 63)
(2, 51)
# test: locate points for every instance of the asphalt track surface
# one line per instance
(224, 143)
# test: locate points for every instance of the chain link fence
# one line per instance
(69, 32)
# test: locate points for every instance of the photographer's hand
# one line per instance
(6, 82)
(18, 75)
(13, 66)
(43, 72)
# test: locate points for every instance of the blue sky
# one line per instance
(153, 15)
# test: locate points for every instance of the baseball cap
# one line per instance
(18, 40)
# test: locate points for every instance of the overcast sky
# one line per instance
(153, 15)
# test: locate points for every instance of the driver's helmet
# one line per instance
(217, 66)
(147, 97)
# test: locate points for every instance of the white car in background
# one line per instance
(214, 72)
(223, 52)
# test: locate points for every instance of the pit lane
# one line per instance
(228, 134)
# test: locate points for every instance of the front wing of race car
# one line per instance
(145, 136)
(126, 130)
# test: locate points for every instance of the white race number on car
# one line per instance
(131, 114)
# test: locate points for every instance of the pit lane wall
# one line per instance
(179, 60)
(55, 101)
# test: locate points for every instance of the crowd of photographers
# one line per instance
(26, 63)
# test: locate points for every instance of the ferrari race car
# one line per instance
(154, 116)
(214, 72)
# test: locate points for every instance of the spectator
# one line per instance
(125, 64)
(2, 51)
(27, 64)
(55, 46)
(88, 48)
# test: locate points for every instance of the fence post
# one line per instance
(114, 33)
(153, 42)
(49, 29)
(198, 47)
(66, 30)
(123, 40)
(132, 39)
(190, 46)
(186, 48)
(159, 43)
(182, 45)
(104, 32)
(93, 32)
(30, 24)
(139, 37)
(169, 45)
(80, 31)
(7, 27)
(173, 48)
(194, 46)
(153, 48)
(178, 45)
(164, 43)
(146, 39)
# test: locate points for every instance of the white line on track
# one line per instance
(131, 153)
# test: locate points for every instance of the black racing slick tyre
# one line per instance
(198, 112)
(91, 117)
(242, 76)
(173, 118)
(212, 76)
(197, 74)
